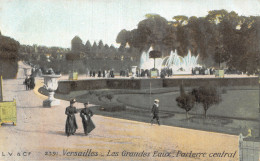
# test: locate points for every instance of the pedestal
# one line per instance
(51, 101)
(154, 73)
(51, 84)
(249, 149)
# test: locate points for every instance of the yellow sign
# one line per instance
(8, 112)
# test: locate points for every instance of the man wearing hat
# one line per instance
(155, 111)
(71, 124)
(87, 122)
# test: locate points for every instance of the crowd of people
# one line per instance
(100, 74)
(202, 71)
(29, 82)
(164, 72)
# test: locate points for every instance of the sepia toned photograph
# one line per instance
(130, 80)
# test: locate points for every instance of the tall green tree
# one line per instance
(88, 46)
(123, 37)
(207, 96)
(100, 44)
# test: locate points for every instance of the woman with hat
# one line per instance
(71, 124)
(155, 111)
(87, 122)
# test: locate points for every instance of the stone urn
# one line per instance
(27, 71)
(51, 85)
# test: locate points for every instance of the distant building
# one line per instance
(76, 44)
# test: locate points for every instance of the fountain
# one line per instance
(178, 64)
(51, 84)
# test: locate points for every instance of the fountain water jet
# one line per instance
(178, 64)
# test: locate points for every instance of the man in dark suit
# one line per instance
(99, 73)
(155, 111)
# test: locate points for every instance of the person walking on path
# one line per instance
(32, 82)
(155, 111)
(27, 83)
(71, 124)
(87, 122)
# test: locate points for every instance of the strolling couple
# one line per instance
(85, 114)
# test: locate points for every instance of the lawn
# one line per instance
(235, 103)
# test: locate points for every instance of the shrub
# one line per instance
(113, 107)
(109, 96)
(90, 92)
(185, 101)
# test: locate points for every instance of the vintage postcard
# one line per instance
(130, 80)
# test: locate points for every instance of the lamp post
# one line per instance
(154, 54)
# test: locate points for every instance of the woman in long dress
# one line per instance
(71, 124)
(87, 122)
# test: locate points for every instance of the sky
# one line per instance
(56, 22)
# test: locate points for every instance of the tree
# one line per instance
(100, 44)
(207, 96)
(226, 37)
(9, 56)
(94, 50)
(94, 47)
(154, 29)
(185, 101)
(219, 37)
(150, 32)
(181, 20)
(88, 46)
(123, 37)
(9, 48)
(170, 40)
